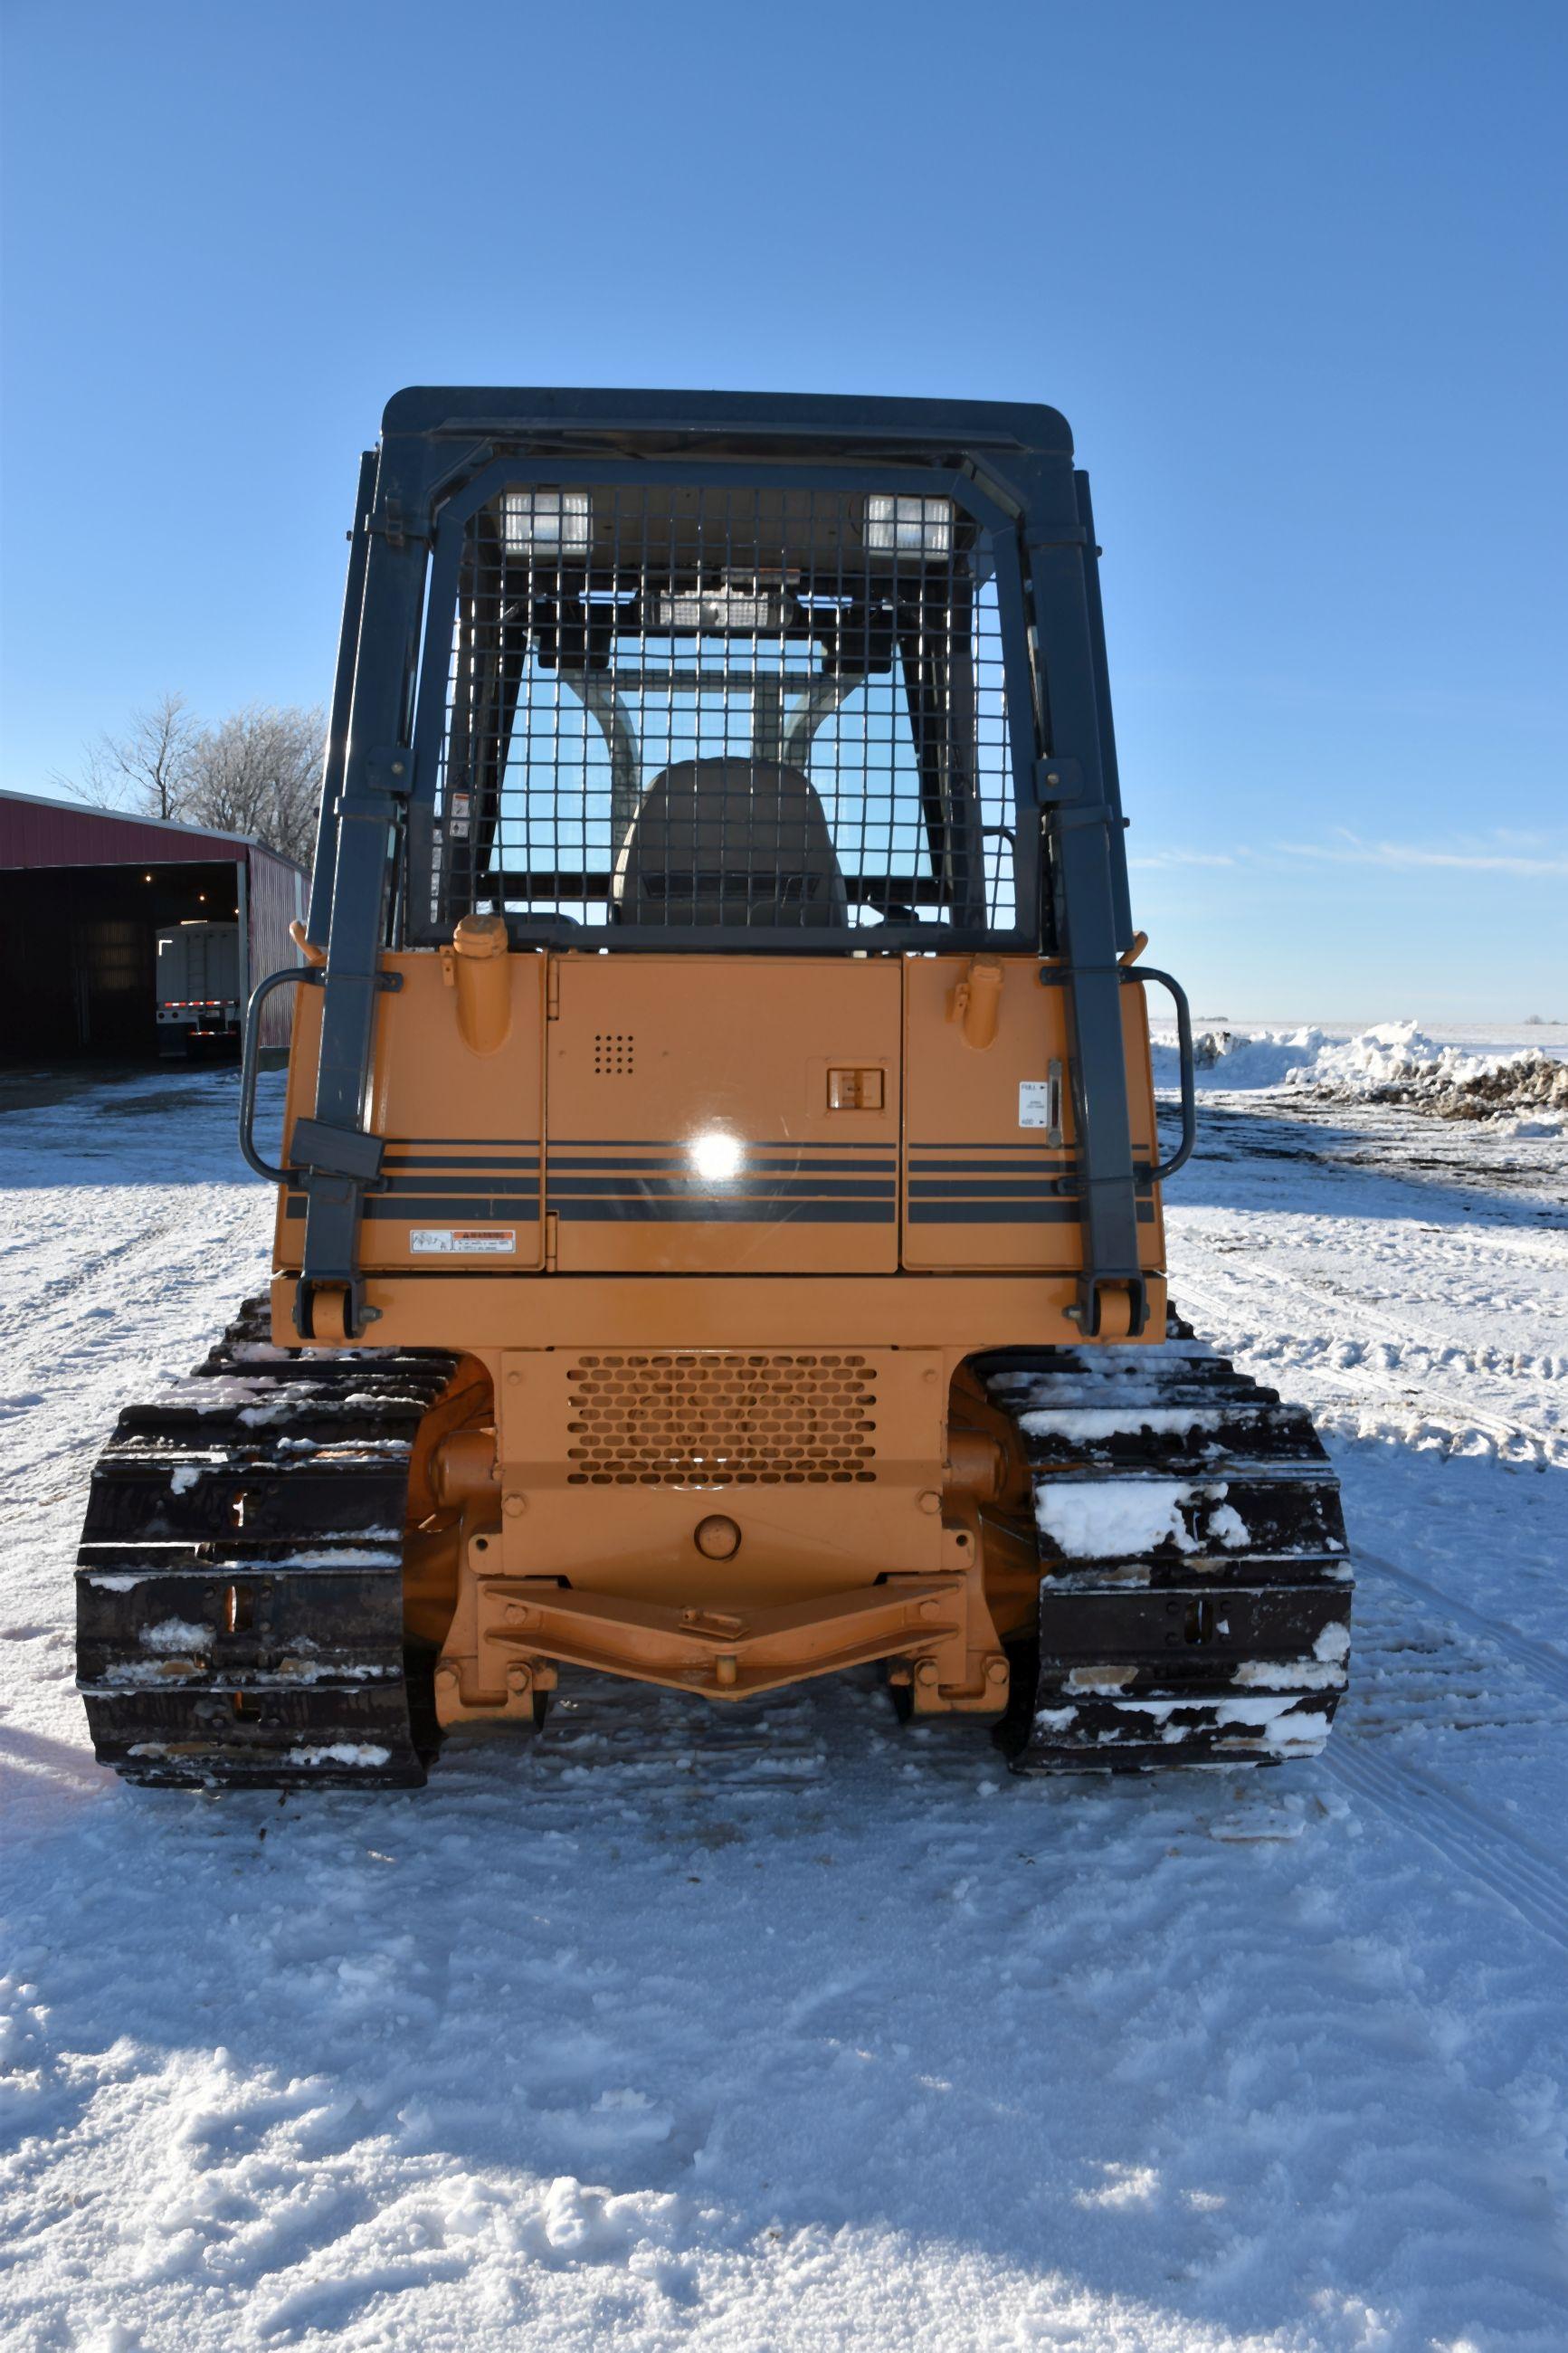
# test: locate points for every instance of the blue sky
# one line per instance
(1296, 275)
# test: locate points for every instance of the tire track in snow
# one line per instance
(164, 1262)
(1466, 1836)
(1459, 1414)
(1487, 1364)
(1471, 1840)
(161, 1278)
(85, 1370)
(1541, 1661)
(57, 1289)
(1462, 1412)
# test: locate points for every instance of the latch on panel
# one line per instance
(862, 1089)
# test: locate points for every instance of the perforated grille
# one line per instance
(670, 707)
(722, 1420)
(614, 1053)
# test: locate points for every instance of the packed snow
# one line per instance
(786, 2027)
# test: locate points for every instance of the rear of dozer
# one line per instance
(719, 1236)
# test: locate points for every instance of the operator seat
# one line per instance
(729, 841)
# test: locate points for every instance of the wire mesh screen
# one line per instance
(762, 710)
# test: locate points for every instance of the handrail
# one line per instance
(308, 974)
(1183, 1151)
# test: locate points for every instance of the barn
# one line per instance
(83, 895)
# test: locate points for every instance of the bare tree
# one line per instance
(258, 773)
(148, 768)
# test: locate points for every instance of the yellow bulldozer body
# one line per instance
(719, 1236)
(716, 1239)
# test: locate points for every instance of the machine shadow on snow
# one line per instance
(32, 1764)
(104, 1133)
(1019, 2127)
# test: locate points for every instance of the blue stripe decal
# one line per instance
(694, 1189)
(1007, 1213)
(728, 1213)
(667, 1163)
(446, 1208)
(447, 1181)
(470, 1166)
(1011, 1188)
(1044, 1165)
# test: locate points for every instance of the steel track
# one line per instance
(1214, 1633)
(240, 1586)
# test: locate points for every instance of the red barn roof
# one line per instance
(35, 832)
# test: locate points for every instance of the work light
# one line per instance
(909, 526)
(743, 608)
(554, 522)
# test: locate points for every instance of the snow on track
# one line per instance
(782, 2028)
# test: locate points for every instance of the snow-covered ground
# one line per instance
(787, 2029)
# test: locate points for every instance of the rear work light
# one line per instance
(547, 522)
(745, 607)
(909, 526)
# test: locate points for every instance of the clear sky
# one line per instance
(1296, 275)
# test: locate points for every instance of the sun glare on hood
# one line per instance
(714, 1156)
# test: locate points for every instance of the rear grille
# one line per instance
(722, 1420)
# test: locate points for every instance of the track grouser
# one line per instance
(719, 1236)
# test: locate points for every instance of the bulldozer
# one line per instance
(718, 1237)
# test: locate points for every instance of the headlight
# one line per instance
(909, 526)
(553, 522)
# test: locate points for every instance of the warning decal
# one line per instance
(467, 1242)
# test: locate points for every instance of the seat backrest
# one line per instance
(733, 842)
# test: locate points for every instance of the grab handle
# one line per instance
(1183, 1151)
(311, 976)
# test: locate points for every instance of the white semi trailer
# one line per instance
(199, 1004)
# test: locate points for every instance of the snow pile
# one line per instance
(1249, 1058)
(1527, 1094)
(1392, 1053)
(1394, 1062)
(1399, 1063)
